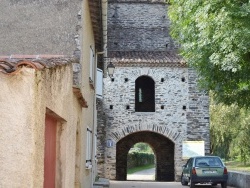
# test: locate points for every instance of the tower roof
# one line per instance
(146, 58)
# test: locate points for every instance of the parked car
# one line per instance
(204, 170)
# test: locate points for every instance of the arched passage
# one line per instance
(163, 149)
(141, 155)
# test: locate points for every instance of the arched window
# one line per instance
(144, 94)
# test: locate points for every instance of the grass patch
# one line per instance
(237, 166)
(139, 168)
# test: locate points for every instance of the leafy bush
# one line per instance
(136, 159)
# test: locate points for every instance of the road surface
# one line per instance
(148, 174)
(148, 184)
(145, 179)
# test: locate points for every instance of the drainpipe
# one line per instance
(104, 34)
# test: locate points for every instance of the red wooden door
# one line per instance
(50, 152)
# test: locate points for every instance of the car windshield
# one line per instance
(208, 161)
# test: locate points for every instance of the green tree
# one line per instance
(240, 146)
(143, 147)
(214, 36)
(229, 131)
(224, 125)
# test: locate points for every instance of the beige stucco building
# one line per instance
(28, 96)
(47, 102)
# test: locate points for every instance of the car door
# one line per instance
(187, 169)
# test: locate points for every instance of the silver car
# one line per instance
(204, 169)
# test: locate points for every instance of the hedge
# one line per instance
(136, 159)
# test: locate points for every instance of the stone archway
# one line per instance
(164, 153)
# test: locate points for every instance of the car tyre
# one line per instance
(224, 185)
(191, 184)
(183, 182)
(214, 184)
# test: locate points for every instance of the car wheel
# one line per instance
(183, 182)
(214, 184)
(224, 185)
(191, 184)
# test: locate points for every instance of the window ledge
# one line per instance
(144, 113)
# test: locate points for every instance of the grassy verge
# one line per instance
(237, 166)
(139, 168)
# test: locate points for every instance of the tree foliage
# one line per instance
(229, 131)
(136, 159)
(142, 147)
(140, 154)
(214, 36)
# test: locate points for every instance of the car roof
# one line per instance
(212, 156)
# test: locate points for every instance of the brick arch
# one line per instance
(124, 131)
(164, 154)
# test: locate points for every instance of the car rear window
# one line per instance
(208, 161)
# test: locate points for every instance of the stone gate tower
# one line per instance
(153, 96)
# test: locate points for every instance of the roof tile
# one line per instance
(146, 58)
(12, 64)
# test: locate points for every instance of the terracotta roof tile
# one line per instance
(146, 58)
(12, 64)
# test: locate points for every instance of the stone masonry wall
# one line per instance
(198, 113)
(143, 26)
(101, 133)
(178, 121)
(170, 121)
(138, 26)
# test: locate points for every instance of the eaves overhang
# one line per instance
(146, 59)
(13, 64)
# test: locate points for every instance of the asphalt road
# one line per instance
(145, 179)
(148, 174)
(148, 184)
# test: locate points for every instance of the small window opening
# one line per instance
(162, 107)
(127, 107)
(162, 80)
(184, 107)
(112, 79)
(144, 94)
(183, 79)
(111, 107)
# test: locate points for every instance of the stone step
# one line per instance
(101, 183)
